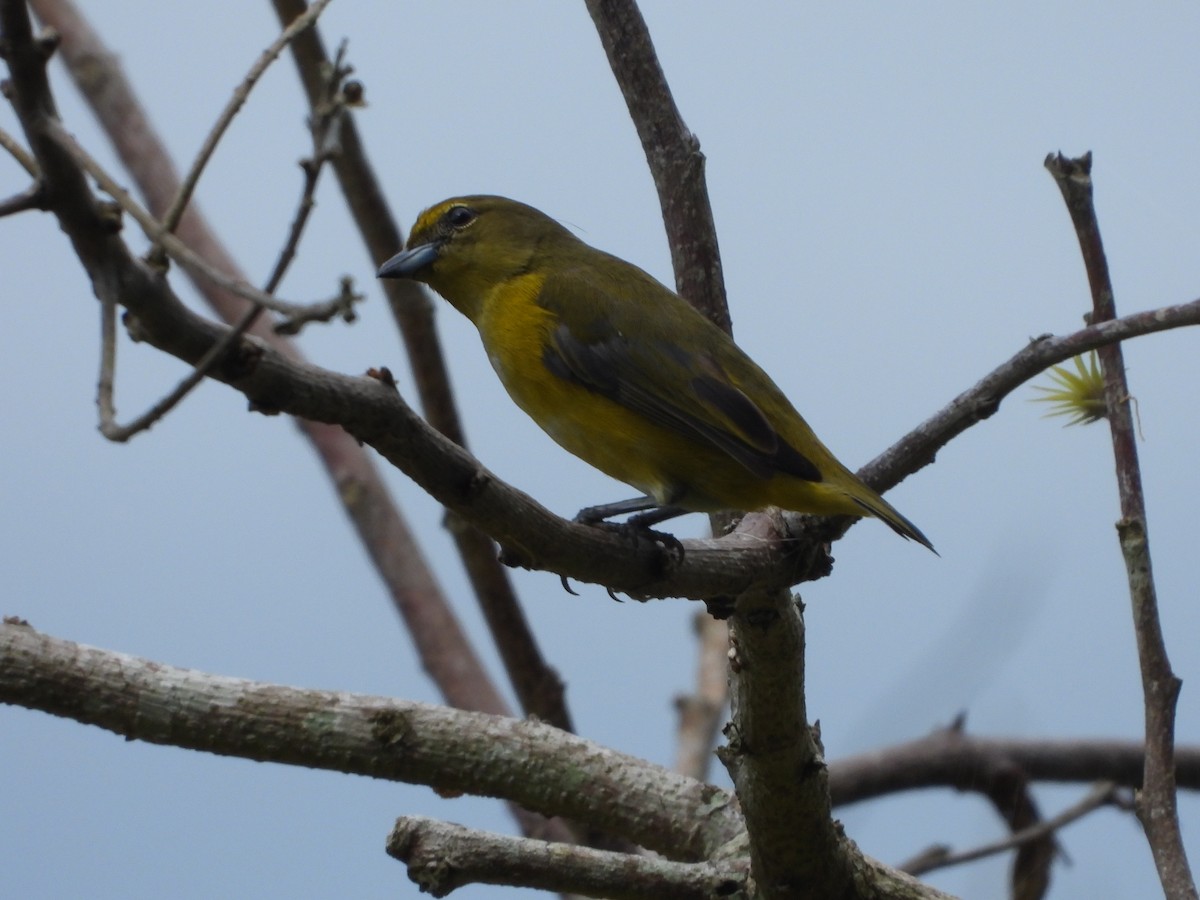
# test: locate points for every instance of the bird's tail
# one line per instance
(876, 506)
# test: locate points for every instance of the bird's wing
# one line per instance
(639, 365)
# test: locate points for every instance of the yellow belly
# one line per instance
(670, 467)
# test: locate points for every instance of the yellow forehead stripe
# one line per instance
(429, 218)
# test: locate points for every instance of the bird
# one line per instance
(622, 372)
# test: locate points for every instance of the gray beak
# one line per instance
(407, 263)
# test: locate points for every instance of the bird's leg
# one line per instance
(648, 512)
(654, 516)
(592, 515)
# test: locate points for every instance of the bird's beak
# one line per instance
(407, 263)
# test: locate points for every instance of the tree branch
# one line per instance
(1100, 795)
(774, 757)
(453, 751)
(187, 186)
(917, 449)
(1007, 786)
(949, 757)
(441, 857)
(10, 145)
(672, 153)
(776, 762)
(1157, 804)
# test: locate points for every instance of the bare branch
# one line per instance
(1007, 786)
(917, 449)
(1101, 795)
(441, 857)
(325, 128)
(1157, 804)
(108, 355)
(775, 757)
(195, 264)
(296, 315)
(455, 751)
(950, 757)
(33, 197)
(19, 153)
(187, 186)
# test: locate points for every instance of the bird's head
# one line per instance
(467, 246)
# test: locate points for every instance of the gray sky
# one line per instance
(888, 236)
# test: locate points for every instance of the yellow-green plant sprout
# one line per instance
(1078, 394)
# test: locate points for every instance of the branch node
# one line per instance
(243, 358)
(33, 197)
(110, 215)
(47, 42)
(134, 327)
(384, 376)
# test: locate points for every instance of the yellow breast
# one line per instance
(515, 330)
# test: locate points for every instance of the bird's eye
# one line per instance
(460, 216)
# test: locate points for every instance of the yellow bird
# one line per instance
(623, 373)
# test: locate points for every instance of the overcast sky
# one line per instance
(888, 236)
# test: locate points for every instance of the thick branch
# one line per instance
(950, 757)
(775, 758)
(441, 857)
(453, 751)
(777, 765)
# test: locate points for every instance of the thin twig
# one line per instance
(33, 197)
(187, 186)
(104, 390)
(1099, 796)
(324, 130)
(342, 305)
(154, 230)
(23, 157)
(14, 149)
(1157, 802)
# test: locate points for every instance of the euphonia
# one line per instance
(622, 372)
